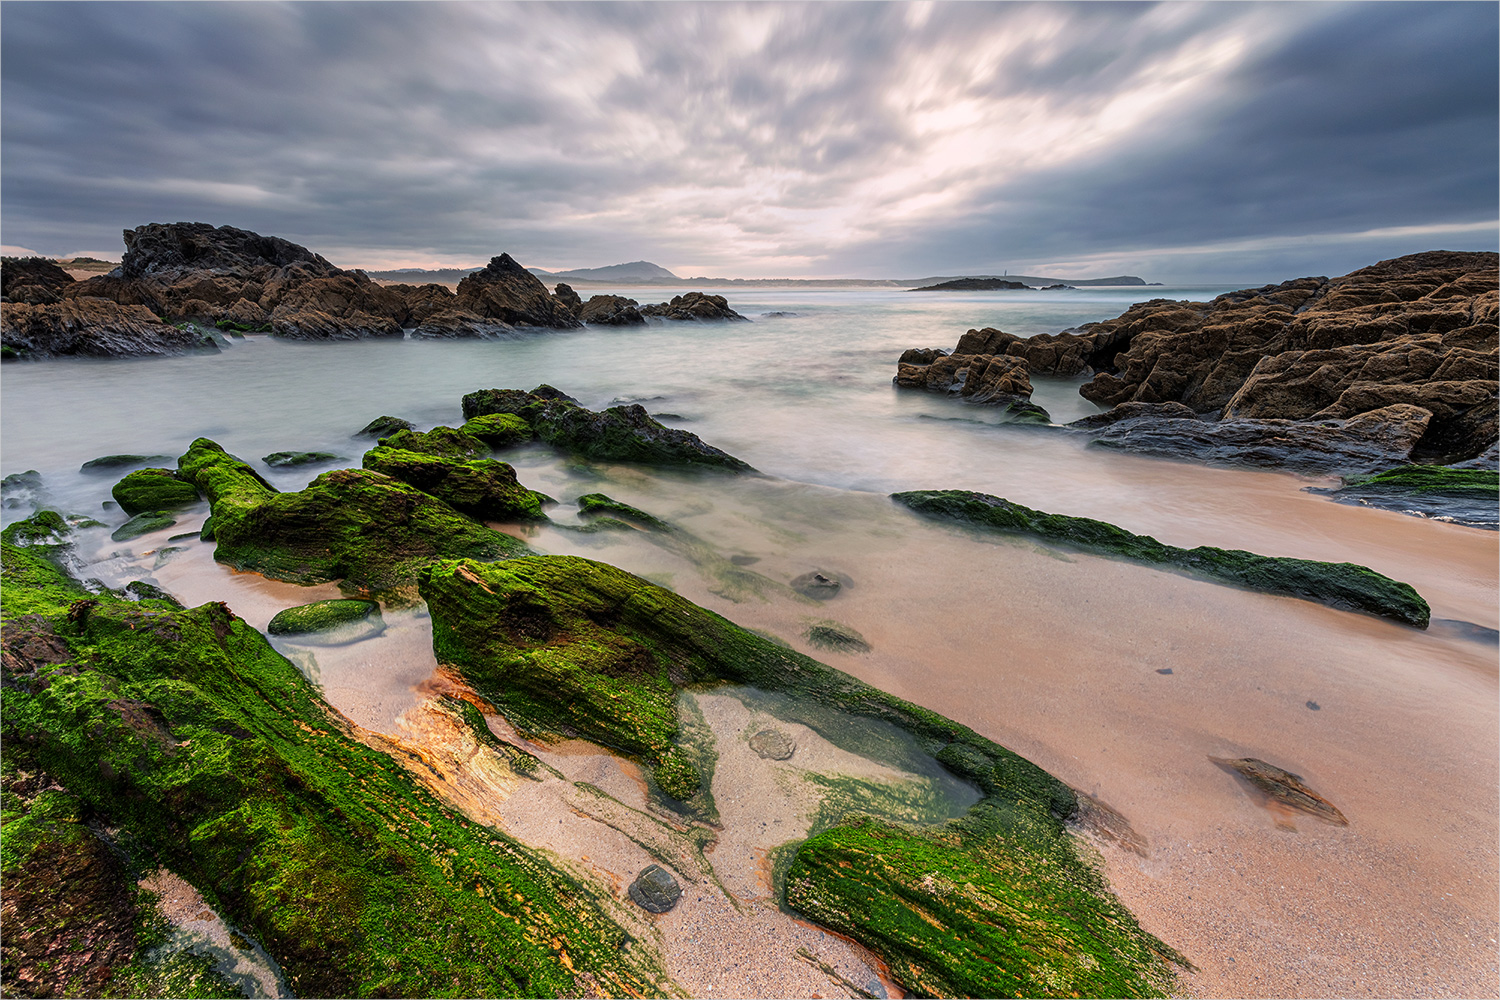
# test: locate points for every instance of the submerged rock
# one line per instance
(1463, 496)
(655, 890)
(109, 463)
(153, 489)
(340, 620)
(618, 434)
(1340, 585)
(292, 459)
(818, 585)
(596, 504)
(693, 306)
(1283, 787)
(143, 524)
(384, 427)
(773, 744)
(836, 638)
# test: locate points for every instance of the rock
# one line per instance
(244, 316)
(334, 622)
(773, 744)
(384, 427)
(1132, 410)
(1339, 585)
(1283, 787)
(445, 442)
(109, 463)
(998, 380)
(33, 280)
(362, 528)
(836, 638)
(461, 324)
(140, 590)
(818, 585)
(655, 890)
(483, 489)
(596, 504)
(143, 524)
(343, 306)
(1462, 496)
(29, 481)
(171, 249)
(292, 459)
(693, 306)
(506, 291)
(611, 310)
(921, 355)
(1366, 443)
(568, 298)
(94, 328)
(618, 434)
(422, 301)
(153, 489)
(498, 430)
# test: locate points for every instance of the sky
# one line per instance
(1181, 142)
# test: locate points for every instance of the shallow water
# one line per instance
(1120, 679)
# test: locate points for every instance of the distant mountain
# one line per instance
(636, 270)
(1026, 279)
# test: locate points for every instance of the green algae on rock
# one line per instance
(482, 488)
(363, 528)
(204, 751)
(143, 523)
(618, 434)
(384, 427)
(1463, 496)
(499, 430)
(108, 463)
(153, 489)
(322, 616)
(595, 504)
(1346, 586)
(444, 442)
(566, 646)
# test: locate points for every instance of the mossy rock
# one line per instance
(1347, 586)
(205, 751)
(292, 459)
(323, 616)
(1435, 479)
(484, 488)
(1461, 496)
(108, 463)
(42, 527)
(499, 430)
(567, 646)
(444, 442)
(384, 427)
(596, 504)
(836, 638)
(143, 524)
(618, 434)
(363, 528)
(153, 489)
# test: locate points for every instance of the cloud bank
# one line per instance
(1179, 141)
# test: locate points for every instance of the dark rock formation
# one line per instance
(461, 324)
(618, 434)
(342, 620)
(1339, 585)
(35, 280)
(92, 328)
(655, 890)
(292, 459)
(384, 427)
(611, 310)
(1462, 496)
(693, 306)
(977, 376)
(507, 292)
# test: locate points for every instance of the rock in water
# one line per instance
(507, 292)
(773, 744)
(291, 459)
(153, 489)
(329, 622)
(1462, 496)
(655, 889)
(818, 585)
(384, 427)
(143, 524)
(693, 306)
(1284, 787)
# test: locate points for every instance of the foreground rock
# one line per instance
(618, 434)
(985, 905)
(479, 487)
(1418, 331)
(92, 328)
(1339, 585)
(1462, 496)
(153, 489)
(183, 734)
(366, 530)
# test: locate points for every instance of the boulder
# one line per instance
(153, 489)
(444, 442)
(94, 328)
(506, 291)
(329, 622)
(384, 427)
(655, 890)
(569, 298)
(34, 280)
(453, 323)
(693, 306)
(483, 489)
(293, 459)
(498, 430)
(611, 310)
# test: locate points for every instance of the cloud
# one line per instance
(751, 139)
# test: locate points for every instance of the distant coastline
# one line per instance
(452, 275)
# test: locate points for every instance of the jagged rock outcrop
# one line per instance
(507, 292)
(693, 306)
(611, 310)
(91, 328)
(1283, 374)
(34, 280)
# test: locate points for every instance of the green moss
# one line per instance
(594, 504)
(211, 755)
(143, 524)
(499, 430)
(363, 528)
(153, 489)
(320, 616)
(618, 434)
(565, 645)
(1340, 585)
(1418, 479)
(836, 637)
(42, 527)
(291, 459)
(384, 427)
(482, 488)
(444, 442)
(9, 353)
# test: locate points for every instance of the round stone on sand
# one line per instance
(655, 889)
(773, 744)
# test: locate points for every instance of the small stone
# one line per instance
(1315, 706)
(773, 744)
(289, 459)
(817, 585)
(655, 890)
(1165, 670)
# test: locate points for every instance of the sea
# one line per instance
(1121, 679)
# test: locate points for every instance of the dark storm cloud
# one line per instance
(874, 139)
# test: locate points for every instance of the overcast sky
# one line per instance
(1180, 142)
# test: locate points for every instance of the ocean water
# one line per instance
(1120, 679)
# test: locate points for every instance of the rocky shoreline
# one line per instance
(182, 286)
